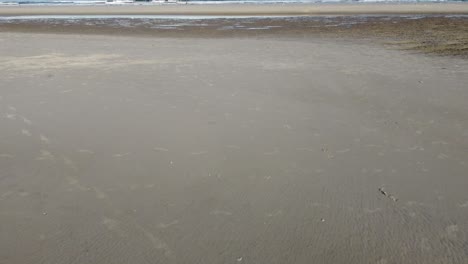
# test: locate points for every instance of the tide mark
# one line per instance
(26, 121)
(198, 153)
(162, 225)
(44, 139)
(26, 132)
(45, 155)
(343, 151)
(159, 149)
(120, 155)
(87, 151)
(220, 212)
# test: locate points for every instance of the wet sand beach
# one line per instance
(249, 148)
(432, 34)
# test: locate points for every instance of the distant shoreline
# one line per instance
(241, 9)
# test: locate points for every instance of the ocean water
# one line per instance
(98, 2)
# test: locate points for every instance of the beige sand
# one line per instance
(292, 150)
(244, 9)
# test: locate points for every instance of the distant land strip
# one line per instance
(242, 9)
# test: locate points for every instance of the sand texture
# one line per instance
(230, 150)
